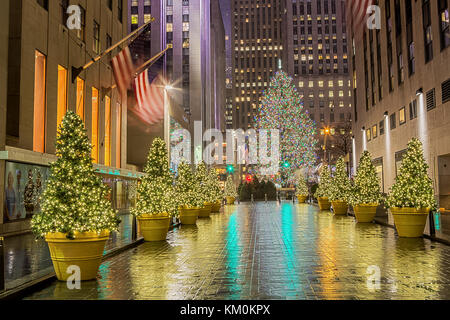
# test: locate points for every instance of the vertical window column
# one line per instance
(62, 95)
(94, 138)
(107, 131)
(40, 65)
(80, 98)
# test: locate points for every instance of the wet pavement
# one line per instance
(28, 259)
(272, 251)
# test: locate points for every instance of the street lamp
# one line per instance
(327, 132)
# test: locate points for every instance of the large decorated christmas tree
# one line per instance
(155, 192)
(324, 183)
(413, 188)
(341, 187)
(366, 189)
(75, 199)
(187, 189)
(282, 108)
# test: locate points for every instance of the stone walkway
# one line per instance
(272, 251)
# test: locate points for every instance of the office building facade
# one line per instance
(38, 51)
(402, 85)
(316, 57)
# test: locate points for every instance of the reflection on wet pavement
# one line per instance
(28, 259)
(272, 251)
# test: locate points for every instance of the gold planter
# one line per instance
(365, 213)
(205, 211)
(216, 207)
(154, 227)
(410, 222)
(301, 199)
(230, 200)
(85, 252)
(189, 216)
(340, 207)
(324, 204)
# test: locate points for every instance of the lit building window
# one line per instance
(61, 103)
(80, 98)
(94, 138)
(107, 131)
(118, 135)
(40, 62)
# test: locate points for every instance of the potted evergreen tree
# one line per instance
(411, 198)
(187, 194)
(216, 190)
(230, 190)
(76, 216)
(366, 195)
(205, 191)
(155, 205)
(340, 189)
(301, 190)
(322, 192)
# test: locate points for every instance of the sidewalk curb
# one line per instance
(431, 238)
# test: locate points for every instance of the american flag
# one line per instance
(126, 63)
(149, 93)
(357, 14)
(123, 68)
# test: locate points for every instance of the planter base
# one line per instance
(340, 207)
(216, 207)
(324, 204)
(365, 213)
(154, 228)
(189, 216)
(302, 199)
(230, 201)
(205, 212)
(85, 252)
(410, 222)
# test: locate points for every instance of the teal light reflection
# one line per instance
(233, 253)
(104, 281)
(288, 225)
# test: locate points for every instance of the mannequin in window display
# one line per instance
(10, 199)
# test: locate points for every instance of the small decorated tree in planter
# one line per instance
(205, 190)
(230, 190)
(301, 189)
(411, 198)
(187, 194)
(76, 216)
(366, 194)
(323, 190)
(155, 204)
(340, 189)
(216, 190)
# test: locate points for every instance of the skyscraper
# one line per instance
(195, 63)
(316, 56)
(256, 52)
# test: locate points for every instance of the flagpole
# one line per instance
(76, 71)
(148, 63)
